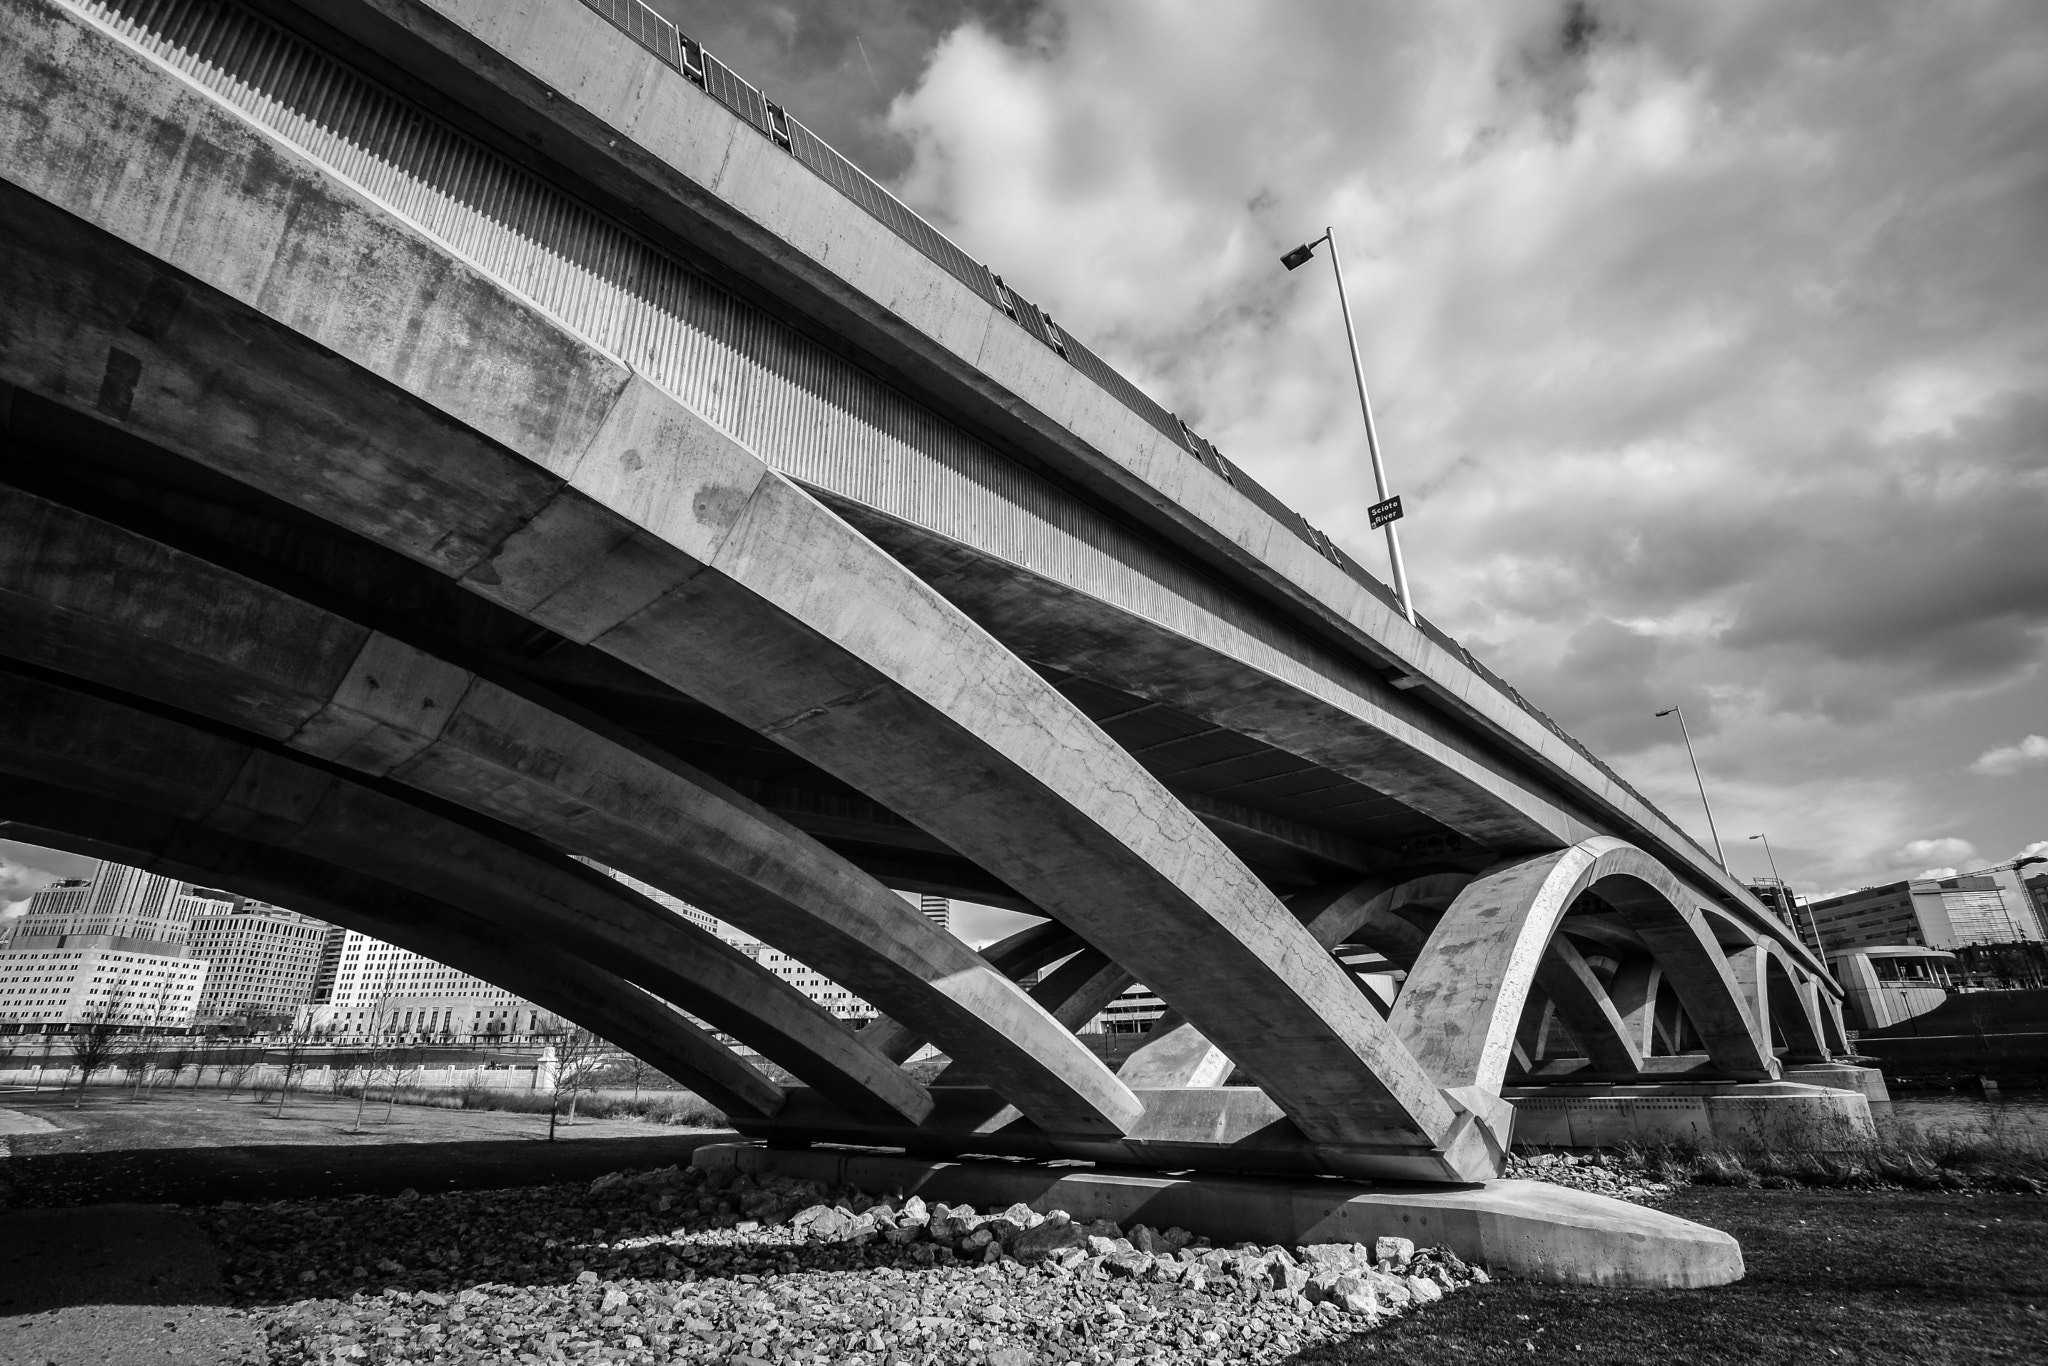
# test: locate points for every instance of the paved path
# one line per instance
(15, 1122)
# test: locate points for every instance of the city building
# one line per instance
(937, 909)
(116, 902)
(91, 980)
(262, 959)
(1888, 984)
(2036, 888)
(1939, 913)
(385, 994)
(106, 948)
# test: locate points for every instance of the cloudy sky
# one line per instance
(1708, 342)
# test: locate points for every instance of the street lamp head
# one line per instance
(1756, 837)
(1667, 711)
(1300, 256)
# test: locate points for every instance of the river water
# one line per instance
(2021, 1116)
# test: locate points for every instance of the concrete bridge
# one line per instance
(449, 437)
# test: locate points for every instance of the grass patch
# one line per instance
(682, 1109)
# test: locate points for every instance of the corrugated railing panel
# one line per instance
(1028, 315)
(726, 86)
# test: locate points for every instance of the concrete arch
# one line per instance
(529, 907)
(1464, 999)
(599, 1001)
(94, 600)
(1179, 1055)
(460, 425)
(1783, 999)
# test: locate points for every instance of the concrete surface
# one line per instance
(1565, 1116)
(1525, 1229)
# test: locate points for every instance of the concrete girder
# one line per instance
(100, 602)
(562, 485)
(1463, 1002)
(509, 894)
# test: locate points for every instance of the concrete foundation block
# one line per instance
(1843, 1076)
(1527, 1230)
(1601, 1116)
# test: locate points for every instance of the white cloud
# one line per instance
(1926, 874)
(18, 882)
(2007, 760)
(1946, 850)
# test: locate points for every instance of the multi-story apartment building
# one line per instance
(262, 959)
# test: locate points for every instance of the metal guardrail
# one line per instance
(689, 60)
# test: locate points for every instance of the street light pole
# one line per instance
(1719, 857)
(1372, 440)
(1785, 899)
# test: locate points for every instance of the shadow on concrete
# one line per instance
(252, 1173)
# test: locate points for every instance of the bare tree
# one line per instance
(97, 1041)
(141, 1051)
(579, 1056)
(376, 1048)
(296, 1037)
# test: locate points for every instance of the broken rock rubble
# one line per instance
(683, 1265)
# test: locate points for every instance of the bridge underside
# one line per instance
(336, 569)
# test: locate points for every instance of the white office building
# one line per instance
(109, 948)
(262, 959)
(385, 994)
(90, 980)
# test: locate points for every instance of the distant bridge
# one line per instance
(449, 436)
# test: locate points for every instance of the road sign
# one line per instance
(1382, 513)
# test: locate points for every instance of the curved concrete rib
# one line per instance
(442, 415)
(1180, 1055)
(1463, 1001)
(527, 905)
(1769, 983)
(145, 835)
(1026, 951)
(103, 603)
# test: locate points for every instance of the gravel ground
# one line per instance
(1595, 1172)
(678, 1264)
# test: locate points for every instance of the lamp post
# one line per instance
(1679, 712)
(1785, 899)
(1293, 260)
